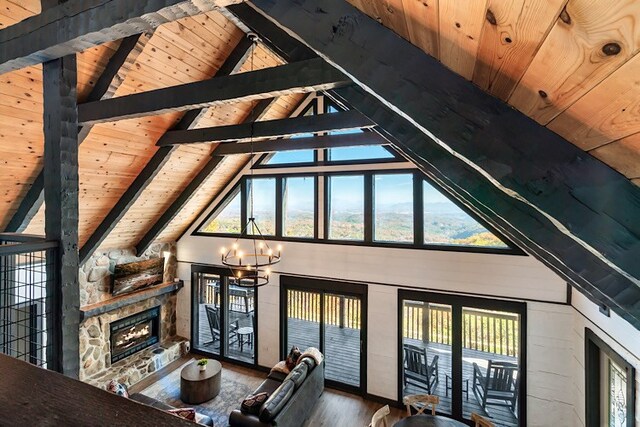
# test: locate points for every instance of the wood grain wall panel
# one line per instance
(91, 64)
(460, 27)
(512, 32)
(423, 24)
(622, 155)
(608, 112)
(590, 40)
(12, 11)
(21, 124)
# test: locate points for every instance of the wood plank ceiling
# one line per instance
(572, 66)
(113, 154)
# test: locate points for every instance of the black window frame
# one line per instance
(457, 302)
(323, 286)
(368, 241)
(224, 273)
(594, 347)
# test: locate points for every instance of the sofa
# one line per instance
(291, 397)
(149, 401)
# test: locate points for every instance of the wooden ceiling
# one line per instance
(113, 154)
(572, 66)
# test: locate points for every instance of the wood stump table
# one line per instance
(198, 386)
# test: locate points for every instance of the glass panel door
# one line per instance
(342, 338)
(490, 365)
(208, 323)
(303, 319)
(240, 321)
(427, 351)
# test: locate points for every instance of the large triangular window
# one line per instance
(446, 224)
(226, 219)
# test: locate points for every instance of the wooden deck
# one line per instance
(206, 337)
(342, 361)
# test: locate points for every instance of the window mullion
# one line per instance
(279, 207)
(418, 210)
(368, 207)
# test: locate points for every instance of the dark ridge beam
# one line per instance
(572, 212)
(77, 25)
(187, 194)
(300, 77)
(151, 169)
(110, 80)
(307, 143)
(61, 190)
(342, 121)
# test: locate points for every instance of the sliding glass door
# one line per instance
(468, 351)
(329, 316)
(223, 321)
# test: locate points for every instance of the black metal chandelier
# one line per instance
(251, 268)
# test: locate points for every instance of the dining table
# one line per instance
(427, 420)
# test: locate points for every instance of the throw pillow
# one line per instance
(293, 357)
(252, 403)
(186, 413)
(117, 388)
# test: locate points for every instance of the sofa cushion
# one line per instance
(277, 376)
(117, 388)
(309, 361)
(293, 357)
(268, 386)
(298, 374)
(276, 402)
(186, 413)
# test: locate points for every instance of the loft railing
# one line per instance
(27, 281)
(483, 330)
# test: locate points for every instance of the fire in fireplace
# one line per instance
(134, 333)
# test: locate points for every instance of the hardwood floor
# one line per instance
(334, 408)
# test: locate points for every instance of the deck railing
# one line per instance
(483, 330)
(339, 310)
(240, 299)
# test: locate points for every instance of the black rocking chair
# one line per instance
(499, 386)
(416, 369)
(213, 316)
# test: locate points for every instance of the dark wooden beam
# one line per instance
(341, 121)
(306, 143)
(566, 208)
(110, 80)
(77, 25)
(61, 190)
(187, 194)
(151, 169)
(300, 77)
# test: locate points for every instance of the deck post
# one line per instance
(425, 323)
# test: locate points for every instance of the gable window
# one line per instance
(393, 208)
(445, 223)
(291, 157)
(298, 207)
(346, 207)
(261, 192)
(610, 382)
(226, 219)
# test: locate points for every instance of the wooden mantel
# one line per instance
(128, 299)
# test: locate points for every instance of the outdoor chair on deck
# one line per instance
(213, 316)
(417, 370)
(499, 386)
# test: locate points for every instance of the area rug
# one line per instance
(232, 393)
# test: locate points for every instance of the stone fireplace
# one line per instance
(134, 333)
(132, 339)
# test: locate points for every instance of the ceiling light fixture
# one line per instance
(251, 268)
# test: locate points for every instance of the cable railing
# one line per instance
(27, 283)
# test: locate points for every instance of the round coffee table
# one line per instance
(199, 386)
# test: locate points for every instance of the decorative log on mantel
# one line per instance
(115, 303)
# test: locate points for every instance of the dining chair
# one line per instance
(420, 403)
(481, 421)
(379, 419)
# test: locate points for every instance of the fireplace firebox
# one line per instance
(134, 333)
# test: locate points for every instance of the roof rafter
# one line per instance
(298, 77)
(527, 182)
(77, 25)
(108, 83)
(243, 132)
(151, 169)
